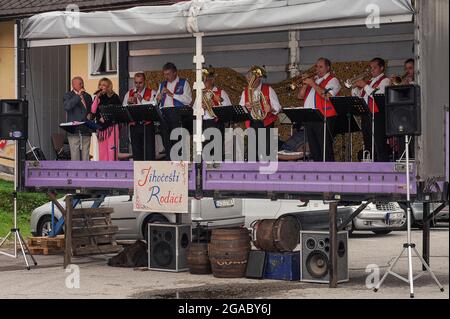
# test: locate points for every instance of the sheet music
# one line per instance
(73, 123)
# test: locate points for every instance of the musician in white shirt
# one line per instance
(376, 85)
(263, 96)
(143, 149)
(316, 93)
(173, 92)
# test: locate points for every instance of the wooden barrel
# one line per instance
(228, 252)
(277, 235)
(198, 259)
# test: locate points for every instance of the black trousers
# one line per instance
(380, 138)
(170, 122)
(212, 123)
(314, 132)
(258, 125)
(143, 142)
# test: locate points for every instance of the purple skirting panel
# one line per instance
(86, 175)
(291, 177)
(310, 177)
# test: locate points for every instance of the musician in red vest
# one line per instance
(138, 95)
(365, 89)
(316, 93)
(220, 98)
(263, 96)
(173, 92)
(213, 96)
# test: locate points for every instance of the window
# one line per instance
(103, 58)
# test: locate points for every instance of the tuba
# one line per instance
(350, 82)
(208, 101)
(259, 108)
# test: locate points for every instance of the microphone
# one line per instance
(97, 92)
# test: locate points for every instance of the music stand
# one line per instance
(144, 114)
(85, 128)
(300, 115)
(114, 114)
(348, 106)
(232, 113)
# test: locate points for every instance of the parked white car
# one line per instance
(312, 215)
(132, 225)
(380, 218)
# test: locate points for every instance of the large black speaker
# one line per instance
(13, 119)
(403, 110)
(167, 246)
(316, 258)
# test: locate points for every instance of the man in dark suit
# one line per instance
(77, 104)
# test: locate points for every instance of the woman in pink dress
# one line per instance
(108, 136)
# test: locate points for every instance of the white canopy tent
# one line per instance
(211, 17)
(200, 18)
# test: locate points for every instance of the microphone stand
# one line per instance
(373, 122)
(325, 125)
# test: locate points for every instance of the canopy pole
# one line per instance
(199, 59)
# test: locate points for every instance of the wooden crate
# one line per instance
(46, 245)
(93, 232)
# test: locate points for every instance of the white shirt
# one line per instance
(333, 84)
(142, 93)
(185, 98)
(274, 102)
(225, 101)
(369, 87)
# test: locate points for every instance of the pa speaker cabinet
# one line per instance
(316, 256)
(167, 246)
(403, 116)
(13, 119)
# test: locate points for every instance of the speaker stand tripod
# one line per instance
(15, 231)
(409, 247)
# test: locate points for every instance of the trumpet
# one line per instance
(298, 81)
(398, 79)
(350, 82)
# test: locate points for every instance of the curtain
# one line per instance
(112, 63)
(99, 50)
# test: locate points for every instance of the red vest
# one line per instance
(218, 97)
(371, 100)
(270, 118)
(147, 96)
(324, 106)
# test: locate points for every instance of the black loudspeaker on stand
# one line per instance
(13, 120)
(403, 110)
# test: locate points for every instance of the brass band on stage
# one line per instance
(322, 115)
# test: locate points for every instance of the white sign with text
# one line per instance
(161, 187)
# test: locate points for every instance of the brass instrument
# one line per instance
(258, 110)
(208, 102)
(398, 79)
(298, 82)
(350, 82)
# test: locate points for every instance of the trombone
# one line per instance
(350, 82)
(298, 81)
